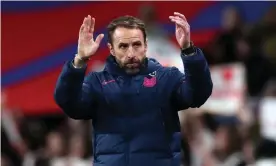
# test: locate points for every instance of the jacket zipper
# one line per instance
(166, 132)
(126, 83)
(127, 152)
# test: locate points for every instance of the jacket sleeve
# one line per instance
(194, 87)
(74, 92)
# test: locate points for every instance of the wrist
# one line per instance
(79, 62)
(185, 46)
(189, 50)
(82, 58)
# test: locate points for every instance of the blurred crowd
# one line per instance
(208, 139)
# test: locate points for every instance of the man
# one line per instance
(134, 101)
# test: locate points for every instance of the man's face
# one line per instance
(129, 49)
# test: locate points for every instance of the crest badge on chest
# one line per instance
(150, 80)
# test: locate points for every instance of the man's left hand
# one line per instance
(182, 30)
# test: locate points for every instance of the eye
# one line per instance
(137, 44)
(123, 46)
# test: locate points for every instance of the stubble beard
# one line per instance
(132, 67)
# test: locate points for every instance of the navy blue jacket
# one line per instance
(135, 118)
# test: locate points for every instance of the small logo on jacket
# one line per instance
(153, 74)
(149, 82)
(107, 82)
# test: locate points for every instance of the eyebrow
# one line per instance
(137, 42)
(123, 44)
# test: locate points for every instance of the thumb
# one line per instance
(99, 38)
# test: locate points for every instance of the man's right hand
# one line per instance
(87, 47)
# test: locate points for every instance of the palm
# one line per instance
(86, 44)
(180, 35)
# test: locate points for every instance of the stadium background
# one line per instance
(38, 37)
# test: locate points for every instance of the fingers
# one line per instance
(92, 25)
(87, 27)
(99, 38)
(87, 21)
(180, 24)
(87, 24)
(82, 28)
(181, 21)
(180, 15)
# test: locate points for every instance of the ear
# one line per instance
(111, 50)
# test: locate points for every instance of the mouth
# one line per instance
(133, 65)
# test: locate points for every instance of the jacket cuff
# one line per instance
(197, 56)
(70, 65)
(70, 72)
(189, 51)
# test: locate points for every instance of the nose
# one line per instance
(130, 52)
